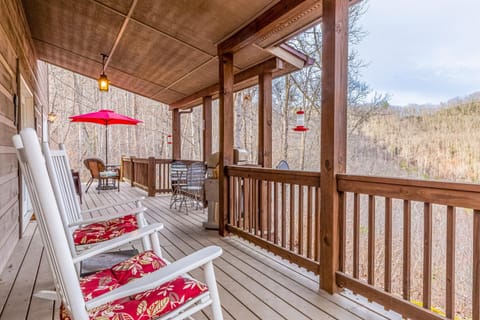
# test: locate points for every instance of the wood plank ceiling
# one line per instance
(167, 49)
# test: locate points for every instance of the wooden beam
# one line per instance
(265, 120)
(265, 23)
(176, 135)
(226, 134)
(267, 66)
(333, 134)
(207, 127)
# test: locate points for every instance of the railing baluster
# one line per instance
(356, 235)
(292, 217)
(450, 281)
(255, 215)
(269, 210)
(427, 256)
(342, 221)
(275, 213)
(246, 204)
(309, 221)
(371, 240)
(284, 215)
(233, 196)
(407, 238)
(252, 207)
(317, 224)
(240, 196)
(476, 266)
(300, 219)
(388, 244)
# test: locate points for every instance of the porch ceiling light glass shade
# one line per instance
(52, 116)
(103, 82)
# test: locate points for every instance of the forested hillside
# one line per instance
(431, 143)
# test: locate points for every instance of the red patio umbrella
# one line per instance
(105, 117)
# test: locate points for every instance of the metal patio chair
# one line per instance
(192, 191)
(156, 290)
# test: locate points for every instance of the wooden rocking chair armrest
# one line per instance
(118, 242)
(139, 199)
(155, 279)
(134, 211)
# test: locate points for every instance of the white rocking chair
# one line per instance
(85, 232)
(144, 287)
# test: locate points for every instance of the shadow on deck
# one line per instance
(253, 283)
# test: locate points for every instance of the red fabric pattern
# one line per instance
(102, 231)
(137, 266)
(150, 304)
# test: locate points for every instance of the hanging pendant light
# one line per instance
(300, 121)
(103, 82)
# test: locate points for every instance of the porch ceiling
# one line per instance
(168, 49)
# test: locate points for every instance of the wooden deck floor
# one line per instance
(253, 283)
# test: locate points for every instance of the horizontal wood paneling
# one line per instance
(15, 43)
(8, 241)
(6, 133)
(9, 191)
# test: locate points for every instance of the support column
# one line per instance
(226, 133)
(333, 136)
(264, 143)
(207, 127)
(176, 135)
(265, 119)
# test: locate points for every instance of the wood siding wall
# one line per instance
(15, 43)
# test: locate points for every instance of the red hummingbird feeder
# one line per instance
(300, 122)
(169, 139)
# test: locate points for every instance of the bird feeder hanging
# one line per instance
(300, 122)
(169, 139)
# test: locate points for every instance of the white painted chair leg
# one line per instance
(212, 288)
(141, 222)
(155, 241)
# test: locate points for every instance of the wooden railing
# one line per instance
(390, 230)
(397, 202)
(149, 174)
(278, 210)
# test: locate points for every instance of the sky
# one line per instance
(421, 51)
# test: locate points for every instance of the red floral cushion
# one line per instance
(102, 231)
(137, 266)
(150, 304)
(97, 284)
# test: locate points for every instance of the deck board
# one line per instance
(253, 283)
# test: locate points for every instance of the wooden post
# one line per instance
(151, 176)
(207, 127)
(265, 119)
(264, 152)
(176, 135)
(132, 176)
(333, 136)
(226, 133)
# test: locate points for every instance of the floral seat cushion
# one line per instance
(108, 174)
(150, 304)
(102, 231)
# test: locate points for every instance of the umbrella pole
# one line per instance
(106, 145)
